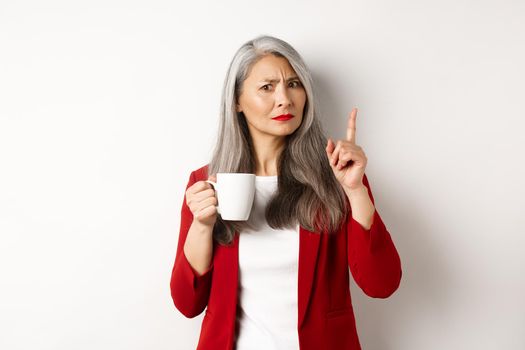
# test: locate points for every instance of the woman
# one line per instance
(280, 280)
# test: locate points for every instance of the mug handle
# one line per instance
(214, 184)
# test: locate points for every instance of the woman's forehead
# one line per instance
(271, 68)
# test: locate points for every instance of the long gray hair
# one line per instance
(307, 192)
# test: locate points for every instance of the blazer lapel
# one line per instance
(308, 253)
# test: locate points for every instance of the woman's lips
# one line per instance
(283, 117)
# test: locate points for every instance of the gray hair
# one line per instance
(307, 192)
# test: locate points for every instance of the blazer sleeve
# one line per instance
(189, 289)
(372, 257)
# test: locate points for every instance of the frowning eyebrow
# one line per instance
(274, 80)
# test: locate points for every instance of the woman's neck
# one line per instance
(266, 157)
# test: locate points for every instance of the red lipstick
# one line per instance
(283, 117)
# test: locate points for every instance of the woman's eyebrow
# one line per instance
(274, 80)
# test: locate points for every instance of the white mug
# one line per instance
(235, 193)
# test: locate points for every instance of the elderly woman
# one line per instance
(280, 280)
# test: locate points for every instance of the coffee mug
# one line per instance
(235, 193)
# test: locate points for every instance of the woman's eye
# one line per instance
(292, 84)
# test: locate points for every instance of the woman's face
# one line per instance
(271, 89)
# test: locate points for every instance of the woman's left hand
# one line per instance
(348, 161)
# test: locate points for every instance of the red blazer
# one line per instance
(325, 314)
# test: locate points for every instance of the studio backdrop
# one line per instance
(107, 106)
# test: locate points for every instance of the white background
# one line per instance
(107, 106)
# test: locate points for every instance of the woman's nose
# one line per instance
(282, 97)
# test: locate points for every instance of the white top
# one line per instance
(268, 266)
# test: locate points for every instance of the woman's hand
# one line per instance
(201, 199)
(348, 161)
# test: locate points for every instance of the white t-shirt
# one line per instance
(267, 292)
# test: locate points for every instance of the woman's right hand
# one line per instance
(201, 199)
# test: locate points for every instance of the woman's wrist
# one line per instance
(362, 206)
(201, 227)
(357, 191)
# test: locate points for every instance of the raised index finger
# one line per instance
(350, 131)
